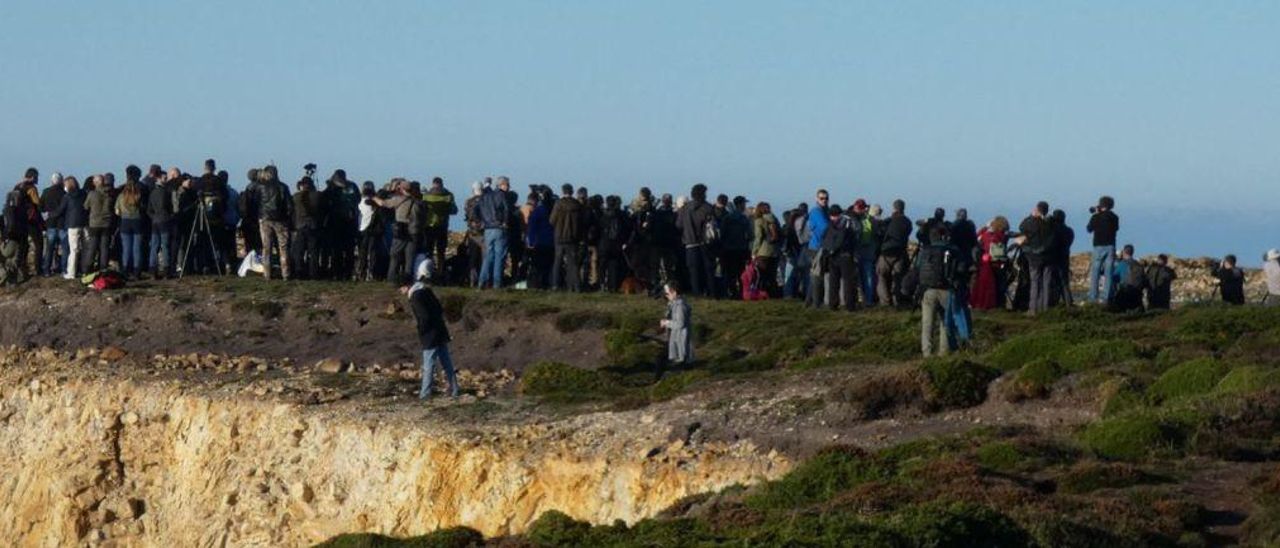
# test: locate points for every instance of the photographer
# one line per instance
(1230, 280)
(1104, 224)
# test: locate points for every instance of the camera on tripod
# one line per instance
(310, 170)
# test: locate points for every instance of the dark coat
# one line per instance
(433, 332)
(566, 218)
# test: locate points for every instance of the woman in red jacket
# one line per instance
(988, 287)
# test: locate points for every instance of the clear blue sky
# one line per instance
(990, 105)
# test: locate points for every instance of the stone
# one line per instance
(330, 365)
(113, 353)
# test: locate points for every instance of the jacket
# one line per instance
(160, 204)
(432, 330)
(897, 234)
(540, 233)
(692, 221)
(129, 212)
(1039, 237)
(50, 203)
(273, 201)
(306, 210)
(566, 218)
(1104, 225)
(440, 206)
(761, 246)
(492, 209)
(736, 231)
(74, 215)
(99, 205)
(817, 222)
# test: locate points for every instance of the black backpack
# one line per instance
(937, 267)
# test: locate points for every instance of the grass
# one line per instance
(1192, 378)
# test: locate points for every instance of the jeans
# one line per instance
(429, 356)
(1041, 284)
(161, 254)
(56, 248)
(130, 252)
(797, 284)
(275, 235)
(495, 254)
(867, 273)
(1101, 266)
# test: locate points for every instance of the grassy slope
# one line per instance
(1199, 382)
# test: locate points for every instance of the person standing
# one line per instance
(494, 211)
(541, 241)
(128, 208)
(1037, 242)
(937, 261)
(440, 206)
(17, 208)
(1271, 271)
(1230, 280)
(100, 208)
(566, 219)
(274, 211)
(892, 264)
(1103, 224)
(247, 205)
(75, 218)
(1130, 282)
(868, 249)
(160, 208)
(698, 230)
(54, 260)
(766, 247)
(993, 242)
(307, 216)
(1060, 254)
(1160, 283)
(433, 332)
(337, 229)
(840, 245)
(735, 250)
(678, 322)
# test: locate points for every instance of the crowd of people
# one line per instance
(168, 223)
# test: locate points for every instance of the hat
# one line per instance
(859, 204)
(1273, 254)
(424, 270)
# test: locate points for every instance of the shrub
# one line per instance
(1188, 379)
(956, 382)
(1017, 351)
(1089, 355)
(818, 479)
(1218, 327)
(825, 529)
(1033, 380)
(568, 322)
(958, 524)
(455, 537)
(1249, 378)
(1086, 477)
(1003, 456)
(886, 393)
(566, 383)
(1133, 436)
(554, 528)
(674, 385)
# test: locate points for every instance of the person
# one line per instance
(1060, 257)
(959, 317)
(369, 228)
(304, 243)
(35, 222)
(1160, 283)
(735, 248)
(128, 207)
(817, 222)
(679, 323)
(964, 235)
(515, 231)
(493, 210)
(1230, 280)
(794, 248)
(936, 261)
(100, 208)
(868, 250)
(698, 230)
(338, 228)
(433, 332)
(75, 218)
(892, 264)
(1036, 240)
(440, 206)
(927, 226)
(403, 247)
(17, 207)
(54, 260)
(540, 237)
(993, 242)
(274, 205)
(1104, 224)
(1130, 282)
(664, 246)
(566, 219)
(160, 209)
(766, 248)
(1271, 271)
(840, 245)
(247, 206)
(614, 232)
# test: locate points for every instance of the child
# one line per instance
(678, 321)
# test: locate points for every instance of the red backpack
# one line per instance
(107, 280)
(751, 284)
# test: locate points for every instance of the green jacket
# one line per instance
(100, 208)
(760, 244)
(439, 207)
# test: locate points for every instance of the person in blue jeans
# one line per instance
(433, 332)
(56, 244)
(1103, 224)
(493, 209)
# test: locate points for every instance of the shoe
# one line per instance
(68, 277)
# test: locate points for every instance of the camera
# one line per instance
(1092, 210)
(310, 170)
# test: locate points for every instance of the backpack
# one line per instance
(13, 214)
(751, 284)
(771, 232)
(937, 267)
(710, 230)
(998, 251)
(107, 280)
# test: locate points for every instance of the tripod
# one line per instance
(201, 224)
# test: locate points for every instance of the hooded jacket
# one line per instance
(692, 221)
(566, 217)
(160, 204)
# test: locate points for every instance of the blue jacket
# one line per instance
(541, 233)
(818, 222)
(74, 215)
(492, 209)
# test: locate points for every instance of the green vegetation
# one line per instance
(456, 537)
(1188, 379)
(957, 382)
(1132, 436)
(1034, 380)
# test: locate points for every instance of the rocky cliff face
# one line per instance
(99, 457)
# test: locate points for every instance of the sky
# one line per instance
(1171, 106)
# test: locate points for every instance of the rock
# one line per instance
(330, 365)
(113, 353)
(129, 418)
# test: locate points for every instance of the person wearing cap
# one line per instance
(1103, 224)
(1271, 271)
(56, 246)
(433, 332)
(275, 206)
(404, 247)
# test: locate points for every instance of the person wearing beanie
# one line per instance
(433, 332)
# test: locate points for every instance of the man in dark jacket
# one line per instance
(160, 209)
(566, 219)
(340, 202)
(1037, 246)
(735, 248)
(964, 235)
(664, 240)
(936, 269)
(614, 232)
(440, 206)
(892, 264)
(1160, 283)
(695, 220)
(433, 332)
(18, 210)
(76, 220)
(494, 211)
(247, 204)
(1230, 280)
(274, 213)
(927, 226)
(307, 212)
(1103, 224)
(54, 260)
(840, 244)
(1063, 238)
